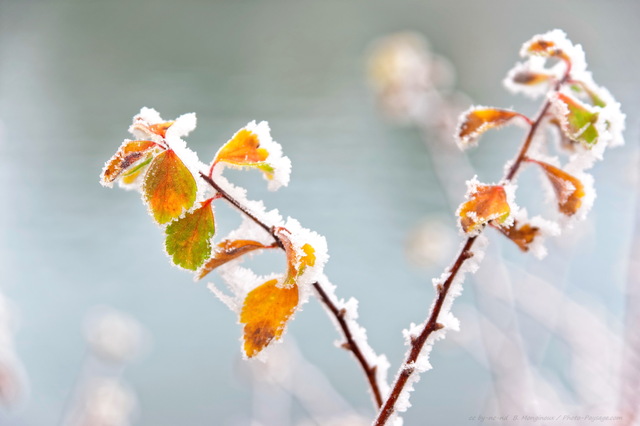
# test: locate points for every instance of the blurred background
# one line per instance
(544, 338)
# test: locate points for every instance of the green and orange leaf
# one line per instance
(569, 189)
(188, 239)
(488, 203)
(578, 120)
(265, 313)
(226, 251)
(477, 120)
(169, 187)
(243, 150)
(127, 160)
(523, 235)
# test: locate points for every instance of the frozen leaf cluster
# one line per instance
(180, 193)
(583, 116)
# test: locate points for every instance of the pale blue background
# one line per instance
(73, 73)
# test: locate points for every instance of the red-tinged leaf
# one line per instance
(160, 129)
(169, 187)
(129, 156)
(523, 235)
(226, 251)
(188, 239)
(488, 203)
(569, 189)
(476, 121)
(243, 150)
(265, 312)
(578, 121)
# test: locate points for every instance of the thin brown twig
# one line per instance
(339, 314)
(408, 368)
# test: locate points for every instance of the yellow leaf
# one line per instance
(242, 150)
(169, 187)
(488, 203)
(265, 312)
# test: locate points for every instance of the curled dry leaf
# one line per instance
(265, 312)
(130, 159)
(577, 120)
(569, 189)
(188, 239)
(530, 78)
(160, 129)
(487, 203)
(169, 187)
(297, 259)
(476, 121)
(226, 251)
(523, 235)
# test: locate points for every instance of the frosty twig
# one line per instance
(339, 314)
(583, 126)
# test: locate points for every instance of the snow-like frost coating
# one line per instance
(445, 318)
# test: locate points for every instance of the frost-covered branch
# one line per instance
(587, 129)
(333, 307)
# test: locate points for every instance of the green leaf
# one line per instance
(188, 239)
(579, 121)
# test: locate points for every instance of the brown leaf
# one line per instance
(522, 235)
(129, 154)
(226, 251)
(569, 189)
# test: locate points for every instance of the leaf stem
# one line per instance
(407, 368)
(339, 314)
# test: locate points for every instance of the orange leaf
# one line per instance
(569, 189)
(265, 312)
(242, 150)
(129, 154)
(476, 121)
(169, 187)
(523, 235)
(487, 203)
(226, 251)
(160, 129)
(546, 48)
